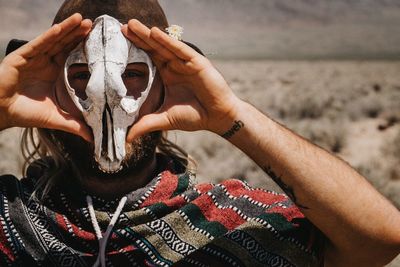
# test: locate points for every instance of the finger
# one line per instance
(149, 123)
(45, 40)
(143, 45)
(177, 47)
(179, 66)
(38, 45)
(135, 39)
(67, 26)
(61, 57)
(79, 33)
(158, 60)
(144, 34)
(140, 43)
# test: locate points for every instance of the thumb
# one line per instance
(149, 123)
(67, 123)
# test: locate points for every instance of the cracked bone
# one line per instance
(107, 52)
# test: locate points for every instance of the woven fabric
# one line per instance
(170, 221)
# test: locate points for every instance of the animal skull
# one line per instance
(108, 110)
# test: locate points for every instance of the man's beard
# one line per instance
(80, 153)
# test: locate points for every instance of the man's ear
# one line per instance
(14, 44)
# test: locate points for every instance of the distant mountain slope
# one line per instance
(291, 28)
(256, 28)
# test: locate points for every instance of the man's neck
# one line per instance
(112, 188)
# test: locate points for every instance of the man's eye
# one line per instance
(132, 74)
(84, 75)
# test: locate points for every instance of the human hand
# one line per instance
(28, 76)
(196, 95)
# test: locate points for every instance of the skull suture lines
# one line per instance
(108, 110)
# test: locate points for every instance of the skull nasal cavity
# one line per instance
(107, 142)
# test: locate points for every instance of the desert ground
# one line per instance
(349, 108)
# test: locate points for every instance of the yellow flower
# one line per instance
(175, 31)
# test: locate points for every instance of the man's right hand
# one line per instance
(28, 77)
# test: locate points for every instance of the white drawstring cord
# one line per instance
(102, 239)
(93, 218)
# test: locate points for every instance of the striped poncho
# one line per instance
(170, 221)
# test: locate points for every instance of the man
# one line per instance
(144, 208)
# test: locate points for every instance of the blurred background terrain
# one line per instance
(328, 70)
(273, 29)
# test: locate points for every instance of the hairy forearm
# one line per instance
(338, 200)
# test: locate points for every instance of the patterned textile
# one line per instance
(170, 221)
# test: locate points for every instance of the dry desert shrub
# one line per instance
(298, 102)
(380, 103)
(393, 146)
(329, 134)
(384, 172)
(314, 90)
(391, 151)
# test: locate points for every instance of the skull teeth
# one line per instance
(109, 171)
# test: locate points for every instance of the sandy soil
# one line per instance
(349, 108)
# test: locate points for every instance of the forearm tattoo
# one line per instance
(235, 128)
(286, 188)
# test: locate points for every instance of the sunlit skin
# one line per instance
(360, 225)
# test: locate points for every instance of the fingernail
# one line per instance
(77, 15)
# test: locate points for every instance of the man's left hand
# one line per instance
(196, 95)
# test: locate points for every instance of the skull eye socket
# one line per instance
(78, 78)
(136, 78)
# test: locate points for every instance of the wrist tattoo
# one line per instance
(235, 128)
(286, 188)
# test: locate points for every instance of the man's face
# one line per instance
(107, 80)
(107, 105)
(138, 152)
